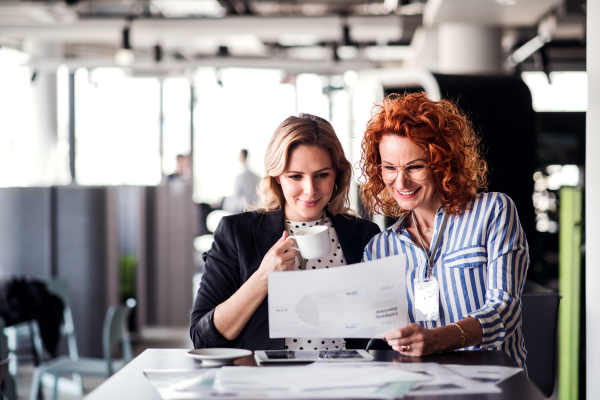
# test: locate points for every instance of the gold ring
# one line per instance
(405, 347)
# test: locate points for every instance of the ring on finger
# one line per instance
(405, 347)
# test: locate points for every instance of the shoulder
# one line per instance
(243, 220)
(356, 222)
(491, 200)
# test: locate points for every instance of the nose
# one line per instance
(402, 179)
(309, 187)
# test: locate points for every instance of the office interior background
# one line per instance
(99, 97)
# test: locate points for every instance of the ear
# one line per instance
(278, 179)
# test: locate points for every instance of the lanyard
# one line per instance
(431, 258)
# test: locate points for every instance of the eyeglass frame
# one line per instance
(403, 170)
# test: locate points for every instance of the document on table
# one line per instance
(485, 373)
(362, 300)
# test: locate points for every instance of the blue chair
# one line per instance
(114, 330)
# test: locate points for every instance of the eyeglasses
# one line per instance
(416, 172)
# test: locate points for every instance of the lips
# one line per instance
(407, 193)
(309, 203)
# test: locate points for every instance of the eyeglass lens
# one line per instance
(415, 172)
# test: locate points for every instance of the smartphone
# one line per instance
(309, 356)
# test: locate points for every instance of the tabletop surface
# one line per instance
(131, 384)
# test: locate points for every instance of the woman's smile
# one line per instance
(307, 183)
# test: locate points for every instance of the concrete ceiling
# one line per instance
(338, 34)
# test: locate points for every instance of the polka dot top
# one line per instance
(335, 258)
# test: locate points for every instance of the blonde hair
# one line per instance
(307, 130)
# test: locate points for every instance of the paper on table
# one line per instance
(485, 373)
(300, 379)
(445, 382)
(188, 385)
(362, 300)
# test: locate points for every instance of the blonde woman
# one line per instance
(307, 183)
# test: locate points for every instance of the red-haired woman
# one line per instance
(466, 253)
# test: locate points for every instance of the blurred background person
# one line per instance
(245, 192)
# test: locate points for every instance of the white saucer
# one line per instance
(218, 356)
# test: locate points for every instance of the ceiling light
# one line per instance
(124, 56)
(506, 2)
(390, 5)
(347, 52)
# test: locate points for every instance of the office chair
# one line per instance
(29, 333)
(113, 331)
(7, 382)
(539, 313)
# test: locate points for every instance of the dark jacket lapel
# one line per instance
(268, 231)
(347, 230)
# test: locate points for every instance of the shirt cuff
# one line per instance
(492, 327)
(208, 332)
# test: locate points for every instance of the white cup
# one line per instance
(312, 242)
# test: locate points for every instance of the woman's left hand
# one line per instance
(413, 340)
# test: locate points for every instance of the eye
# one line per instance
(389, 168)
(323, 175)
(295, 177)
(414, 167)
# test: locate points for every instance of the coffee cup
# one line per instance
(312, 242)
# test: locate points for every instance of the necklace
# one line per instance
(427, 229)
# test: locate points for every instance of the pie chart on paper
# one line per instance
(320, 309)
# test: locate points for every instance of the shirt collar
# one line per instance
(398, 226)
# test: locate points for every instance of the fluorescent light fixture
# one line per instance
(525, 51)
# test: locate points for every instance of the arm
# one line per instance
(423, 341)
(222, 288)
(231, 316)
(508, 260)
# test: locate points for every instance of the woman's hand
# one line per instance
(281, 257)
(414, 340)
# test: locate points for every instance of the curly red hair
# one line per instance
(446, 136)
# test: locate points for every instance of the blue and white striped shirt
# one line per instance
(481, 264)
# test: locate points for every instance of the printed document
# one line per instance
(362, 300)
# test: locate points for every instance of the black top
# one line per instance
(240, 243)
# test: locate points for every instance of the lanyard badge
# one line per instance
(427, 300)
(427, 292)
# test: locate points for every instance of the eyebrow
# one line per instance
(408, 163)
(315, 172)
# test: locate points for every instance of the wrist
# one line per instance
(462, 335)
(261, 278)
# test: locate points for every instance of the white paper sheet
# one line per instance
(302, 379)
(485, 373)
(362, 300)
(188, 385)
(445, 382)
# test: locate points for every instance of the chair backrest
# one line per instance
(115, 329)
(539, 324)
(3, 369)
(60, 288)
(3, 340)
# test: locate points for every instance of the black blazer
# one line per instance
(240, 243)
